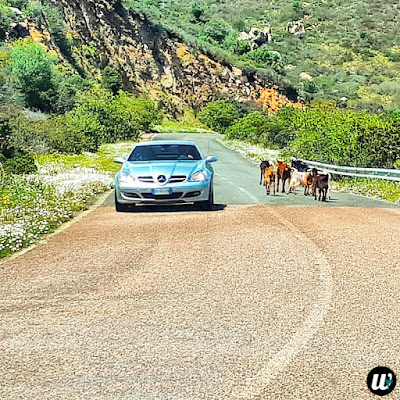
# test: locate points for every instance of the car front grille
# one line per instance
(177, 178)
(172, 196)
(146, 179)
(173, 179)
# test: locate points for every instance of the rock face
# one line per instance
(296, 28)
(151, 61)
(257, 37)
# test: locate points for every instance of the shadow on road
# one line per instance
(171, 208)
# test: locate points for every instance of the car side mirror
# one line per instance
(212, 159)
(119, 160)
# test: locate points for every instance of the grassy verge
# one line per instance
(34, 205)
(251, 151)
(100, 161)
(177, 127)
(374, 188)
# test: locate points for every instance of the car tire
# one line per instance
(206, 205)
(119, 207)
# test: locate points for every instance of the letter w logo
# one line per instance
(382, 382)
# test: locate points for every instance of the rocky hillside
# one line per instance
(324, 49)
(151, 60)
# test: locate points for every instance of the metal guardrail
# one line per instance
(373, 173)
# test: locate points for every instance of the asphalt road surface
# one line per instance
(263, 298)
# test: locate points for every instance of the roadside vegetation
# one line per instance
(320, 131)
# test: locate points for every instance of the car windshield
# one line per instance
(167, 152)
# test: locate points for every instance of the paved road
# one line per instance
(251, 301)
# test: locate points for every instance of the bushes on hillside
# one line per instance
(253, 127)
(263, 56)
(39, 82)
(216, 31)
(321, 132)
(237, 46)
(17, 163)
(221, 114)
(102, 118)
(346, 137)
(99, 117)
(111, 80)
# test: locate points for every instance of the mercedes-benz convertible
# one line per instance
(160, 172)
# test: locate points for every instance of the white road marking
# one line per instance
(254, 387)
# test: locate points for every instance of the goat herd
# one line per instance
(316, 182)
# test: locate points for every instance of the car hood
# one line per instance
(167, 168)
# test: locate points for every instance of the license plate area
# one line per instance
(162, 191)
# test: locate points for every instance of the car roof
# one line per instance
(165, 142)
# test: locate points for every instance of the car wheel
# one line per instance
(208, 204)
(120, 207)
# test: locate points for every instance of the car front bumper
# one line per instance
(187, 193)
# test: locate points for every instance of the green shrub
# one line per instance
(252, 127)
(346, 137)
(40, 136)
(20, 163)
(32, 74)
(259, 128)
(102, 118)
(237, 46)
(264, 56)
(67, 89)
(216, 31)
(220, 115)
(111, 79)
(197, 11)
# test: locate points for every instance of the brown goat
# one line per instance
(320, 185)
(269, 180)
(264, 165)
(282, 174)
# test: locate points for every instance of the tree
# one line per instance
(32, 74)
(220, 115)
(111, 80)
(197, 11)
(67, 88)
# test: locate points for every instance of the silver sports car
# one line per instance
(162, 172)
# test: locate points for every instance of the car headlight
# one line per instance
(198, 176)
(126, 178)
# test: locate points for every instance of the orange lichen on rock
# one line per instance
(183, 53)
(34, 33)
(272, 100)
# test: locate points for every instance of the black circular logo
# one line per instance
(381, 381)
